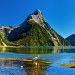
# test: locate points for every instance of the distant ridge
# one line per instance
(71, 39)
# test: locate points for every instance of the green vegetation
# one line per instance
(2, 36)
(34, 31)
(36, 36)
(3, 39)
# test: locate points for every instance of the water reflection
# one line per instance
(27, 66)
(35, 60)
(36, 67)
(38, 50)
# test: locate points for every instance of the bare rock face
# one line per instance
(37, 16)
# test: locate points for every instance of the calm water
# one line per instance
(41, 60)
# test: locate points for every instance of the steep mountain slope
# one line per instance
(4, 31)
(71, 39)
(35, 31)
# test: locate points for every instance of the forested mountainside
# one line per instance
(34, 31)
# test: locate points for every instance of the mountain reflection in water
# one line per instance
(38, 49)
(43, 60)
(25, 67)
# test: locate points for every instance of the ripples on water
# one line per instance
(43, 60)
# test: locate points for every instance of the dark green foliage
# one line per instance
(63, 41)
(36, 36)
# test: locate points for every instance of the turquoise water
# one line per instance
(41, 60)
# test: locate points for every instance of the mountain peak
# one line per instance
(34, 31)
(36, 12)
(37, 17)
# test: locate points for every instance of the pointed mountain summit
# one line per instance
(37, 16)
(34, 31)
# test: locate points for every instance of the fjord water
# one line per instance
(43, 60)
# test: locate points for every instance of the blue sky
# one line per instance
(60, 14)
